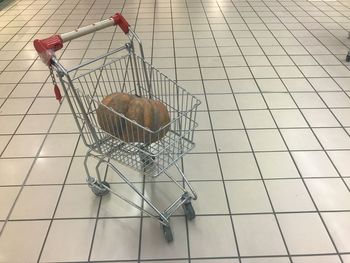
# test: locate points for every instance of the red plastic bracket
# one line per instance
(46, 47)
(121, 22)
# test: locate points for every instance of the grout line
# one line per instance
(217, 153)
(303, 180)
(181, 159)
(247, 135)
(327, 107)
(213, 135)
(32, 165)
(181, 216)
(76, 147)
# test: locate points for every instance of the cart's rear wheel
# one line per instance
(168, 234)
(348, 57)
(98, 188)
(189, 210)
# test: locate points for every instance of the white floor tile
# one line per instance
(317, 259)
(329, 193)
(214, 260)
(202, 167)
(289, 195)
(12, 123)
(71, 236)
(258, 235)
(215, 234)
(305, 234)
(15, 170)
(77, 201)
(29, 241)
(266, 260)
(42, 172)
(314, 164)
(300, 139)
(335, 99)
(289, 118)
(340, 158)
(213, 198)
(254, 119)
(221, 102)
(239, 166)
(247, 197)
(153, 245)
(16, 106)
(110, 246)
(250, 101)
(232, 141)
(279, 100)
(320, 118)
(339, 228)
(59, 145)
(23, 146)
(346, 258)
(113, 206)
(276, 165)
(8, 196)
(333, 138)
(226, 120)
(35, 124)
(36, 202)
(308, 100)
(266, 140)
(204, 142)
(343, 116)
(271, 85)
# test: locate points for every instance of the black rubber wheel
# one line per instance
(189, 211)
(99, 190)
(168, 234)
(347, 58)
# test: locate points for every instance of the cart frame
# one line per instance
(87, 83)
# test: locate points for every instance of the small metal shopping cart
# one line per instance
(123, 70)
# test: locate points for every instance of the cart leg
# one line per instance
(187, 206)
(168, 234)
(98, 187)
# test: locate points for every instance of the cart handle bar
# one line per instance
(46, 47)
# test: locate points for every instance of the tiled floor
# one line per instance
(271, 164)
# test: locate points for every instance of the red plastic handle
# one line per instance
(46, 47)
(121, 22)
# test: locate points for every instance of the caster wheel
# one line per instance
(189, 211)
(98, 189)
(347, 58)
(168, 234)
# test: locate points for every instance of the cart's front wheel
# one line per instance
(98, 188)
(189, 210)
(168, 234)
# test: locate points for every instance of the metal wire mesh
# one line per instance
(153, 151)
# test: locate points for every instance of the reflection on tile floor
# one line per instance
(272, 159)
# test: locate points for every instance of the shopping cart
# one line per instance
(123, 70)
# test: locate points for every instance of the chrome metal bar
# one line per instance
(194, 194)
(138, 192)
